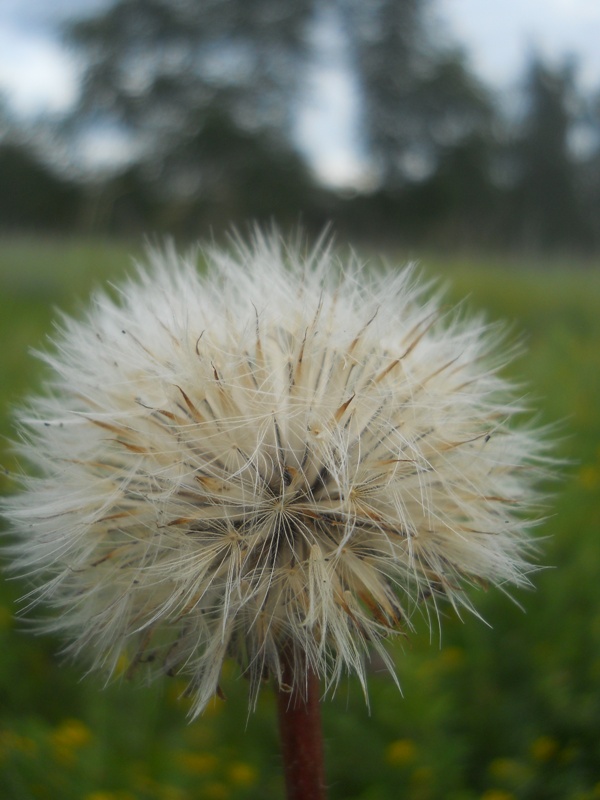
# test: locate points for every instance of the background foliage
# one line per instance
(500, 712)
(206, 95)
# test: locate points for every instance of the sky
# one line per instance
(38, 74)
(500, 36)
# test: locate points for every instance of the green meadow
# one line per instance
(501, 708)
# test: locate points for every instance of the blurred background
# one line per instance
(445, 122)
(461, 132)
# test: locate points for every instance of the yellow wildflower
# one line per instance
(69, 736)
(544, 748)
(242, 774)
(497, 794)
(197, 763)
(401, 752)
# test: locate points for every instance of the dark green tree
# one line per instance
(32, 195)
(206, 88)
(155, 64)
(209, 91)
(419, 97)
(546, 205)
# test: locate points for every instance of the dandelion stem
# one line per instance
(301, 736)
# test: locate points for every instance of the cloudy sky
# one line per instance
(38, 74)
(499, 36)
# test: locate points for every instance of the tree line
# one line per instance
(206, 94)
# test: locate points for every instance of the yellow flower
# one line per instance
(242, 774)
(497, 794)
(508, 769)
(589, 476)
(544, 748)
(71, 733)
(401, 752)
(69, 736)
(452, 657)
(197, 763)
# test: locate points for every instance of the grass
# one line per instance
(495, 713)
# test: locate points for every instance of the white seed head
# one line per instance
(283, 456)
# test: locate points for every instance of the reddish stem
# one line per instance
(301, 737)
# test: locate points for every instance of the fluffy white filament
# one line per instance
(284, 456)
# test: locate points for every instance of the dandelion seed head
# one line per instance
(282, 453)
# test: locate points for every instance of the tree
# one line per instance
(154, 62)
(32, 196)
(178, 74)
(546, 202)
(419, 98)
(209, 90)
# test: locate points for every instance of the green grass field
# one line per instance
(496, 712)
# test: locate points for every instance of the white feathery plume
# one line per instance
(280, 453)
